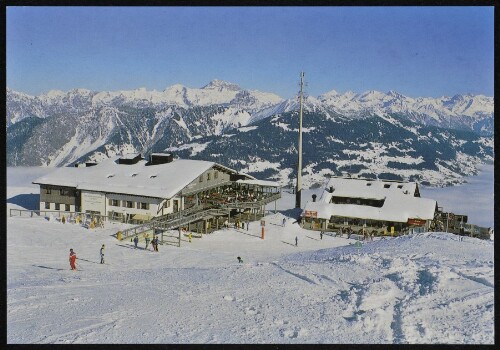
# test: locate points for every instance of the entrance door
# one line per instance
(176, 205)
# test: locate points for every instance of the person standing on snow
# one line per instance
(147, 240)
(136, 240)
(284, 221)
(72, 259)
(248, 224)
(102, 254)
(296, 241)
(321, 234)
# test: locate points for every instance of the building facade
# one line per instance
(130, 189)
(368, 206)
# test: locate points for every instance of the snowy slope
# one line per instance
(426, 288)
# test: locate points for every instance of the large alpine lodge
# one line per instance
(131, 189)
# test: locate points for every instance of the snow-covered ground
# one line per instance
(426, 288)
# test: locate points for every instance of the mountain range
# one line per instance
(373, 134)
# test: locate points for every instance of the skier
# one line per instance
(248, 224)
(72, 259)
(242, 225)
(296, 241)
(239, 259)
(189, 236)
(136, 240)
(156, 243)
(284, 221)
(321, 234)
(147, 240)
(102, 254)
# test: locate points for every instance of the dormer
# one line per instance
(131, 158)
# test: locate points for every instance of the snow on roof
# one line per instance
(259, 183)
(161, 154)
(400, 204)
(159, 181)
(398, 208)
(130, 156)
(363, 188)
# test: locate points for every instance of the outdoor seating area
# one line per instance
(227, 196)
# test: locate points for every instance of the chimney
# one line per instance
(160, 158)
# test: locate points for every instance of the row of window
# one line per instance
(58, 206)
(209, 176)
(128, 204)
(61, 191)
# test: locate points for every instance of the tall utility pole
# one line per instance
(298, 191)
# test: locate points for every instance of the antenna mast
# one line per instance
(298, 191)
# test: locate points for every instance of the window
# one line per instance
(67, 207)
(201, 178)
(58, 206)
(387, 186)
(48, 191)
(208, 176)
(64, 192)
(216, 175)
(130, 204)
(167, 204)
(144, 206)
(114, 202)
(47, 205)
(400, 186)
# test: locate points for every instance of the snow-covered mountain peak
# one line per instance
(175, 87)
(395, 94)
(372, 95)
(220, 85)
(329, 94)
(80, 92)
(54, 94)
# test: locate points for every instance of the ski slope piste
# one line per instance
(429, 288)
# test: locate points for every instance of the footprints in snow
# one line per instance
(251, 311)
(248, 310)
(284, 330)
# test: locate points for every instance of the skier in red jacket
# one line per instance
(72, 259)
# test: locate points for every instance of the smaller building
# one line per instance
(369, 206)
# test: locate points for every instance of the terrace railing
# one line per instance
(54, 213)
(184, 217)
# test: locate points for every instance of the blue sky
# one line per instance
(417, 51)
